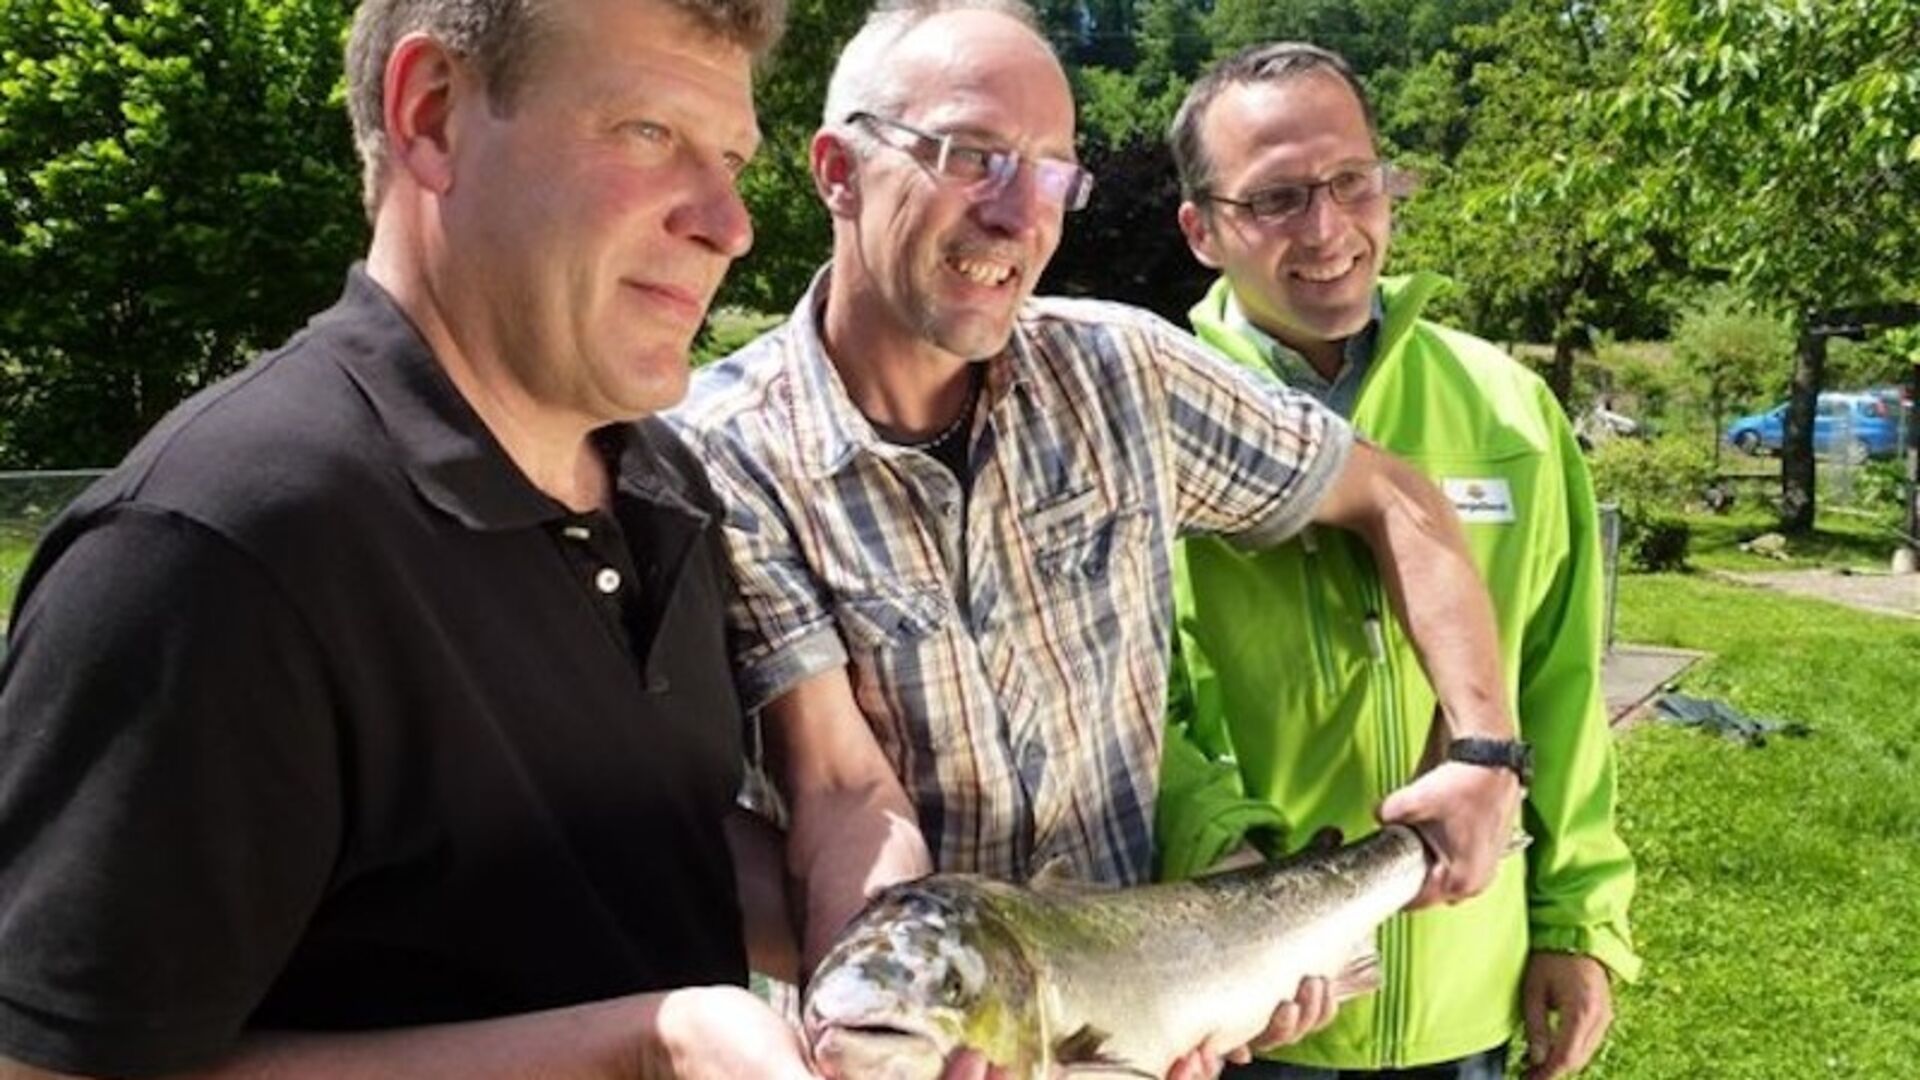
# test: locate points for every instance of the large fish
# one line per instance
(1096, 981)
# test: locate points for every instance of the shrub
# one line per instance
(1653, 481)
(1645, 476)
(1657, 543)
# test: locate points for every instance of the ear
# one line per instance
(1198, 229)
(422, 80)
(836, 173)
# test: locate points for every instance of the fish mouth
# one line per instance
(868, 1031)
(882, 1031)
(875, 1049)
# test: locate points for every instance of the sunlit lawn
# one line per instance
(1780, 886)
(16, 546)
(1857, 540)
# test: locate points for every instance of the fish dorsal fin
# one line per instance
(1079, 1055)
(1360, 975)
(1056, 876)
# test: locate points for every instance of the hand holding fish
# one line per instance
(1311, 1008)
(1568, 1006)
(1466, 815)
(722, 1033)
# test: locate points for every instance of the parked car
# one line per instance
(1855, 426)
(1895, 397)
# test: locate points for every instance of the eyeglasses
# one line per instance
(986, 171)
(1350, 186)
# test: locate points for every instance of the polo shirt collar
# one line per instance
(445, 449)
(829, 429)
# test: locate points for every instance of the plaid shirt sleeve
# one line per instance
(780, 628)
(1252, 458)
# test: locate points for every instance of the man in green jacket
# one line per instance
(1302, 704)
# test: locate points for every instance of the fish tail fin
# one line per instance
(1361, 975)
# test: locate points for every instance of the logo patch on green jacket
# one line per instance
(1480, 501)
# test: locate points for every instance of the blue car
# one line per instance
(1853, 426)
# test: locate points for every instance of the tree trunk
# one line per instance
(1560, 375)
(1912, 451)
(1796, 450)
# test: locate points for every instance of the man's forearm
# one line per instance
(1422, 554)
(766, 915)
(848, 843)
(1449, 619)
(853, 830)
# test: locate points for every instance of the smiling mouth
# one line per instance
(1328, 273)
(987, 273)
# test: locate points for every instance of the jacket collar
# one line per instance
(1398, 303)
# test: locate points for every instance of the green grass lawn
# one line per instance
(1839, 538)
(15, 548)
(1780, 886)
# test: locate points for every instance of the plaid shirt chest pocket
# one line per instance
(1089, 570)
(894, 633)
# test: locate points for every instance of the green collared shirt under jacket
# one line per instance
(1303, 703)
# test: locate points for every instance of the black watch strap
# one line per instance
(1513, 754)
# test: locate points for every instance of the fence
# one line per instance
(28, 502)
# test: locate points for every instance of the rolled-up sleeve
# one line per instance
(1252, 458)
(780, 628)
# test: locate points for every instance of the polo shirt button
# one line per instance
(607, 580)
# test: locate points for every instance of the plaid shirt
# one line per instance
(1008, 645)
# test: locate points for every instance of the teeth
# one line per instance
(1326, 274)
(982, 273)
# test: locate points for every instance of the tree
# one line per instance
(1730, 352)
(181, 190)
(1781, 139)
(1517, 216)
(792, 233)
(1373, 35)
(1127, 245)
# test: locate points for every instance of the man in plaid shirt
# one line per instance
(951, 506)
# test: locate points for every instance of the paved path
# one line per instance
(1633, 674)
(1889, 594)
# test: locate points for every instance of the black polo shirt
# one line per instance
(317, 714)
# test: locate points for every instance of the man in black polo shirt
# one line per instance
(373, 717)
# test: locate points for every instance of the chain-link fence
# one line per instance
(28, 502)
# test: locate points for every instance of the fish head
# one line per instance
(926, 970)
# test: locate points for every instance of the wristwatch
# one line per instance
(1513, 754)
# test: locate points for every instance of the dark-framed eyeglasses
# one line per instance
(985, 171)
(1351, 186)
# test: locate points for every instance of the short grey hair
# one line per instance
(1274, 62)
(861, 82)
(502, 39)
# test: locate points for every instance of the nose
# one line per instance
(712, 213)
(1322, 219)
(1016, 208)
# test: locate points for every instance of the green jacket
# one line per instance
(1303, 704)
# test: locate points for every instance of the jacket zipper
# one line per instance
(1316, 606)
(1395, 945)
